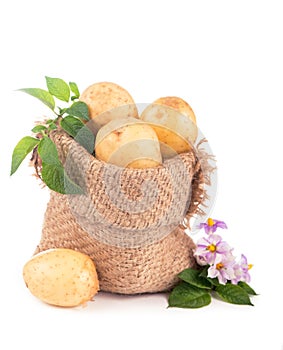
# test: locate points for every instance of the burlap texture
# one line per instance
(129, 220)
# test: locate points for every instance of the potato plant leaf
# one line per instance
(186, 296)
(52, 170)
(79, 131)
(56, 179)
(53, 173)
(48, 151)
(58, 88)
(42, 95)
(71, 125)
(38, 128)
(233, 294)
(75, 90)
(86, 138)
(192, 277)
(79, 109)
(247, 288)
(22, 149)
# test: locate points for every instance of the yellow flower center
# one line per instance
(211, 248)
(250, 266)
(219, 266)
(210, 222)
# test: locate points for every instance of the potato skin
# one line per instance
(61, 277)
(128, 142)
(178, 104)
(108, 101)
(173, 121)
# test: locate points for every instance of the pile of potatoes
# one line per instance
(123, 137)
(68, 278)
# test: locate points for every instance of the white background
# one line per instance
(225, 58)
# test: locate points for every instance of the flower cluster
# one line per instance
(212, 251)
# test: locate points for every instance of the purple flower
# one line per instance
(208, 248)
(241, 271)
(212, 225)
(222, 269)
(217, 254)
(201, 260)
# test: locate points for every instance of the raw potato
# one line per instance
(128, 142)
(61, 277)
(174, 123)
(108, 101)
(179, 104)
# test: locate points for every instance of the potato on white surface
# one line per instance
(128, 142)
(174, 123)
(108, 101)
(61, 277)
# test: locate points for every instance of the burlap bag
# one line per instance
(129, 221)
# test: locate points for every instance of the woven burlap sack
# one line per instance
(129, 221)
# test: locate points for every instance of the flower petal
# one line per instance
(214, 239)
(218, 258)
(221, 278)
(200, 251)
(229, 273)
(201, 260)
(220, 224)
(244, 263)
(246, 277)
(207, 229)
(223, 247)
(210, 258)
(203, 241)
(212, 272)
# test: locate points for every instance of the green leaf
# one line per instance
(192, 277)
(62, 110)
(75, 90)
(58, 88)
(56, 179)
(203, 272)
(247, 288)
(52, 126)
(187, 296)
(79, 109)
(71, 125)
(86, 138)
(213, 281)
(81, 133)
(48, 151)
(38, 128)
(22, 149)
(42, 95)
(233, 294)
(53, 173)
